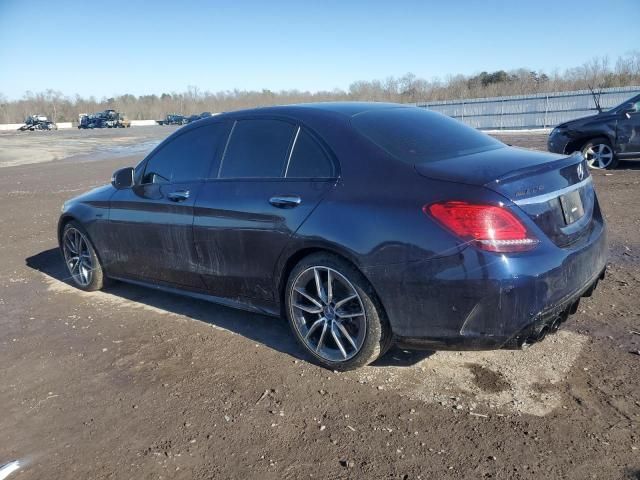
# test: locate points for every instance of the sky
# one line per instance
(105, 48)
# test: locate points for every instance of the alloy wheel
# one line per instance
(77, 255)
(328, 313)
(599, 155)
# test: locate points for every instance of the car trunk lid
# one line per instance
(555, 191)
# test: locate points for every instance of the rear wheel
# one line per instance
(81, 259)
(335, 314)
(599, 154)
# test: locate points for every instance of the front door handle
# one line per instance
(285, 201)
(178, 196)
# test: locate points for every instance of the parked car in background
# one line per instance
(193, 118)
(603, 139)
(365, 224)
(173, 119)
(106, 119)
(37, 122)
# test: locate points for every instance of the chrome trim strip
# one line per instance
(226, 146)
(550, 196)
(286, 170)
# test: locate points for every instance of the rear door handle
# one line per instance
(178, 196)
(285, 201)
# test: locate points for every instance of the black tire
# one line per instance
(590, 152)
(97, 278)
(377, 332)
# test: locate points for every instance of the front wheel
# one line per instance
(599, 154)
(335, 314)
(81, 259)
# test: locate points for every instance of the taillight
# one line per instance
(489, 227)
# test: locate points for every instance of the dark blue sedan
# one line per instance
(365, 224)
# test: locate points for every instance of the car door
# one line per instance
(151, 224)
(628, 132)
(272, 175)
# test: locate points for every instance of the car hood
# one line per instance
(600, 117)
(98, 194)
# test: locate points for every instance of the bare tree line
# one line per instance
(598, 73)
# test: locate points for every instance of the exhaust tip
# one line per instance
(590, 290)
(574, 307)
(543, 333)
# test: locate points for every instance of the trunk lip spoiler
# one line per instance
(552, 195)
(517, 174)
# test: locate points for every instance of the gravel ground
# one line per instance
(133, 383)
(75, 145)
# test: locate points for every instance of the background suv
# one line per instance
(603, 139)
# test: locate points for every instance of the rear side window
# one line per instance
(417, 135)
(308, 159)
(257, 148)
(187, 157)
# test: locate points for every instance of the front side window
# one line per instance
(185, 158)
(257, 148)
(308, 159)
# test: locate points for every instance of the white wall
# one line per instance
(63, 125)
(10, 126)
(16, 126)
(143, 123)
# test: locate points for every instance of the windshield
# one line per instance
(418, 135)
(635, 100)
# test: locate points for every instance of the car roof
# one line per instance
(313, 112)
(344, 109)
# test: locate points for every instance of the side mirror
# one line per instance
(628, 109)
(123, 178)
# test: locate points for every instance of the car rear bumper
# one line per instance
(544, 323)
(482, 300)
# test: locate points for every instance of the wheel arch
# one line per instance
(293, 258)
(65, 218)
(578, 143)
(62, 222)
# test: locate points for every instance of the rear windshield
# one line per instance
(417, 135)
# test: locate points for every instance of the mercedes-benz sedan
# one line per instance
(364, 224)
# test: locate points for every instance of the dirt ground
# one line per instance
(130, 383)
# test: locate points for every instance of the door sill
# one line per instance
(246, 304)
